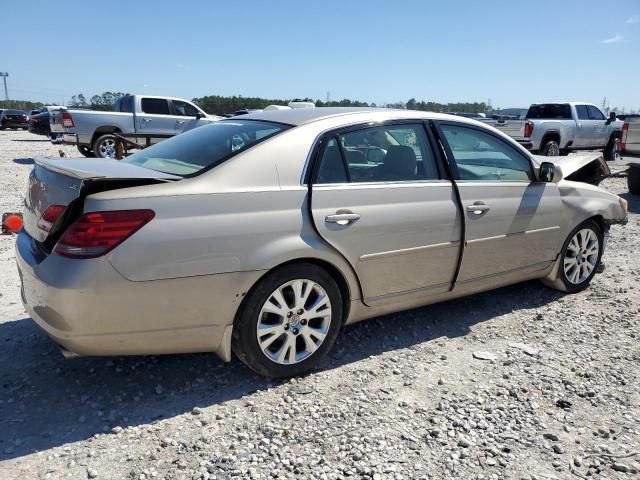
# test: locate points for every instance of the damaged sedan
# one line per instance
(262, 235)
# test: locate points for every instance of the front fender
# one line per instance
(584, 201)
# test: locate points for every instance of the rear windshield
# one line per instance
(560, 111)
(14, 112)
(204, 147)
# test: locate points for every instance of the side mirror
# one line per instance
(549, 172)
(200, 115)
(612, 116)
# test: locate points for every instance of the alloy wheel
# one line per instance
(294, 321)
(553, 150)
(581, 257)
(107, 148)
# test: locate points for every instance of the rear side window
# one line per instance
(125, 104)
(559, 111)
(595, 113)
(481, 156)
(158, 106)
(332, 167)
(391, 153)
(204, 147)
(583, 113)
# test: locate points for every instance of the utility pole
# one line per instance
(4, 76)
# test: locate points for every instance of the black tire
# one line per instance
(244, 340)
(633, 178)
(100, 148)
(562, 282)
(86, 151)
(610, 152)
(550, 148)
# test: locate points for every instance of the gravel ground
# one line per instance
(518, 383)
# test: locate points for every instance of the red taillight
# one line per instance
(528, 129)
(67, 120)
(49, 217)
(623, 138)
(97, 233)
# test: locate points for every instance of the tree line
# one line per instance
(220, 105)
(20, 105)
(106, 101)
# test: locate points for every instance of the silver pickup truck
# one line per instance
(553, 129)
(93, 131)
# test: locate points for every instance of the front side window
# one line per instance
(595, 113)
(481, 156)
(157, 106)
(205, 147)
(184, 109)
(583, 113)
(390, 153)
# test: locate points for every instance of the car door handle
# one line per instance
(342, 218)
(478, 208)
(179, 122)
(146, 119)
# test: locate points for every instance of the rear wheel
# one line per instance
(550, 149)
(86, 151)
(289, 321)
(105, 146)
(580, 258)
(611, 151)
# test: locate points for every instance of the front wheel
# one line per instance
(579, 259)
(289, 321)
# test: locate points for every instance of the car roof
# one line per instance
(301, 116)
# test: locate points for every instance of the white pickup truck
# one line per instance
(553, 129)
(93, 131)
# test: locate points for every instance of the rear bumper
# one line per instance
(528, 144)
(66, 138)
(88, 308)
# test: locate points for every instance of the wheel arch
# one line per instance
(224, 350)
(552, 135)
(104, 129)
(333, 270)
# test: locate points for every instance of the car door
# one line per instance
(156, 117)
(512, 222)
(584, 128)
(599, 136)
(380, 197)
(186, 115)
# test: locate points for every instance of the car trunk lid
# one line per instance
(66, 182)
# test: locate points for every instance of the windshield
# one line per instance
(560, 111)
(204, 147)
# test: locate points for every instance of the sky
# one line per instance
(512, 52)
